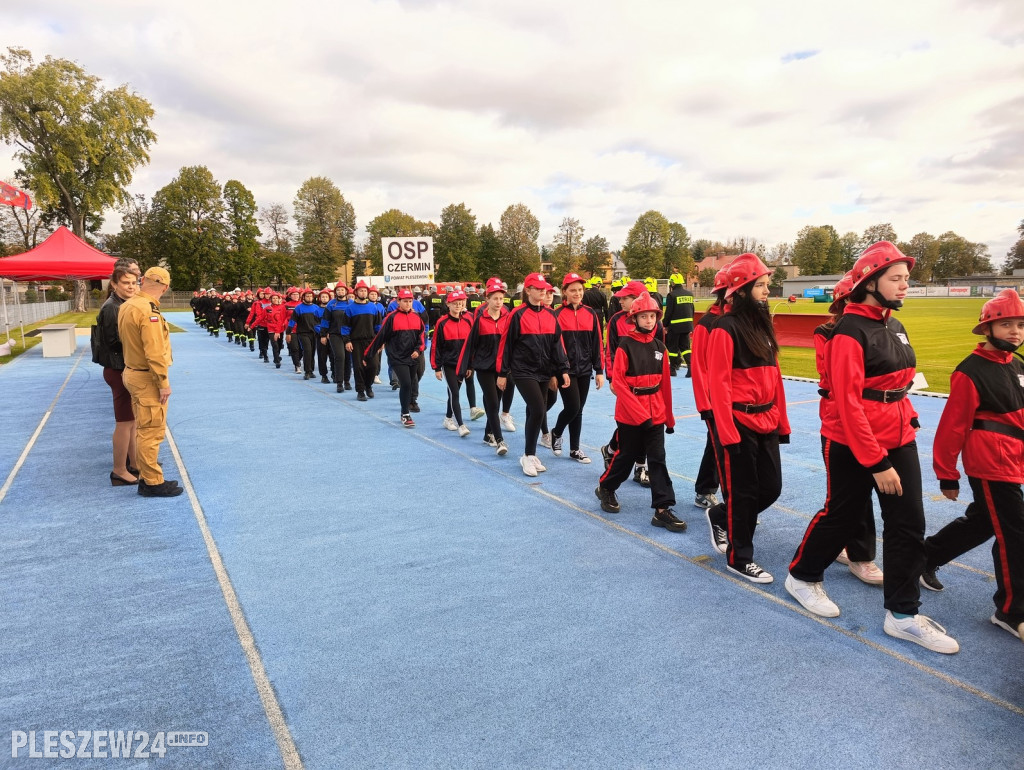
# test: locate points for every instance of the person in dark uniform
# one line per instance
(292, 299)
(595, 298)
(361, 323)
(678, 323)
(403, 335)
(255, 323)
(305, 322)
(334, 316)
(651, 284)
(324, 359)
(983, 421)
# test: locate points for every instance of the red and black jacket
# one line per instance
(581, 338)
(983, 420)
(868, 353)
(743, 381)
(619, 326)
(531, 347)
(641, 377)
(276, 318)
(481, 349)
(699, 359)
(450, 336)
(401, 333)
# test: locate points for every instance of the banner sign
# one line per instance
(959, 291)
(408, 261)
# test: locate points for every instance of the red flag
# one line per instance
(12, 196)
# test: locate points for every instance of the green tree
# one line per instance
(242, 261)
(566, 254)
(1015, 256)
(706, 277)
(392, 224)
(276, 257)
(959, 257)
(457, 245)
(189, 232)
(876, 233)
(677, 251)
(22, 230)
(327, 227)
(778, 276)
(597, 256)
(849, 250)
(78, 143)
(644, 252)
(488, 261)
(517, 233)
(136, 237)
(924, 248)
(818, 251)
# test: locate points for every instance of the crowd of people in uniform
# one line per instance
(636, 340)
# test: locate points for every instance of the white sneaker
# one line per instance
(450, 424)
(921, 630)
(506, 422)
(545, 440)
(475, 413)
(490, 441)
(812, 597)
(463, 431)
(842, 558)
(528, 467)
(578, 456)
(537, 464)
(556, 445)
(867, 572)
(377, 381)
(502, 449)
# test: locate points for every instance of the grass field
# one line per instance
(80, 320)
(939, 330)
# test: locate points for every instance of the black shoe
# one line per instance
(339, 388)
(369, 392)
(929, 581)
(608, 501)
(252, 346)
(394, 386)
(277, 364)
(666, 517)
(674, 372)
(348, 386)
(307, 376)
(117, 481)
(166, 489)
(641, 477)
(414, 407)
(606, 455)
(688, 373)
(361, 396)
(324, 380)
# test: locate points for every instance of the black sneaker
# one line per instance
(369, 392)
(1007, 623)
(666, 517)
(929, 581)
(348, 386)
(166, 489)
(414, 407)
(324, 380)
(394, 386)
(361, 396)
(674, 372)
(307, 376)
(339, 388)
(606, 455)
(556, 445)
(719, 537)
(641, 477)
(751, 572)
(608, 502)
(407, 421)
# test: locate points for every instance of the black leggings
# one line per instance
(308, 343)
(451, 379)
(534, 395)
(508, 394)
(406, 376)
(574, 398)
(492, 401)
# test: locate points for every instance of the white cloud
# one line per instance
(732, 118)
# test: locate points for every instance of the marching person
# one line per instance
(479, 356)
(256, 320)
(276, 318)
(581, 337)
(324, 359)
(334, 316)
(983, 421)
(678, 323)
(643, 413)
(748, 406)
(305, 321)
(403, 335)
(292, 299)
(531, 351)
(360, 325)
(108, 352)
(146, 345)
(871, 444)
(450, 335)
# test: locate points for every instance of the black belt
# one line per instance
(137, 370)
(824, 393)
(885, 396)
(999, 427)
(752, 408)
(648, 391)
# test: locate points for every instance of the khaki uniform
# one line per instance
(147, 355)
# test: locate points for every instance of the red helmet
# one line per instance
(1006, 304)
(876, 258)
(292, 290)
(362, 285)
(745, 269)
(645, 303)
(841, 291)
(721, 279)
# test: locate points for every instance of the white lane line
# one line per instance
(39, 429)
(271, 707)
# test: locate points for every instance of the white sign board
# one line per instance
(408, 261)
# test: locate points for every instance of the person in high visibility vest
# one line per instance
(678, 323)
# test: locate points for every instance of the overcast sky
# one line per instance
(733, 118)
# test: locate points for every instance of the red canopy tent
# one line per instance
(61, 257)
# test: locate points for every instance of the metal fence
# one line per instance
(24, 313)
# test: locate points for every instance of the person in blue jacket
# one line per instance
(304, 324)
(361, 323)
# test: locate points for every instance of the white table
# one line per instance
(58, 340)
